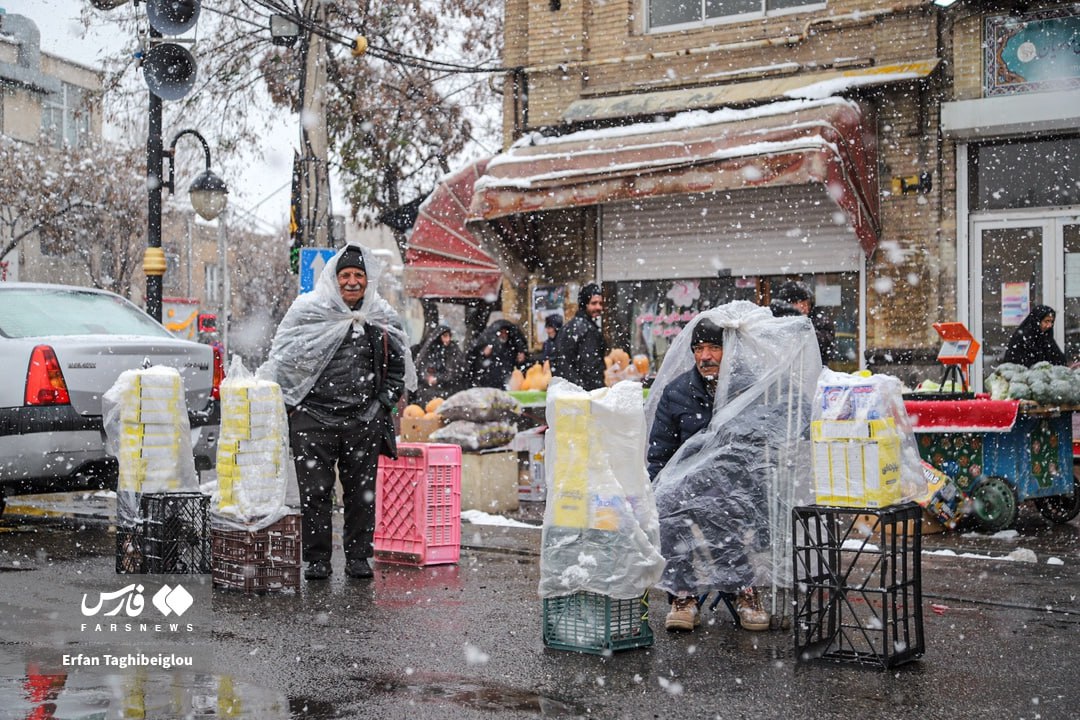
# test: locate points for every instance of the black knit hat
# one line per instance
(587, 293)
(793, 291)
(706, 331)
(553, 321)
(351, 258)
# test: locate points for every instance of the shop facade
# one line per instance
(1014, 121)
(898, 160)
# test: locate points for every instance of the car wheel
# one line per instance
(1062, 508)
(995, 504)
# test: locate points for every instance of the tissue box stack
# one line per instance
(251, 449)
(153, 416)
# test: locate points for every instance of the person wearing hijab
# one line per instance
(552, 324)
(1033, 341)
(439, 365)
(341, 358)
(579, 345)
(494, 354)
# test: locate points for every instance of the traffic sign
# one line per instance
(312, 262)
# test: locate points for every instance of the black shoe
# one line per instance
(318, 570)
(359, 568)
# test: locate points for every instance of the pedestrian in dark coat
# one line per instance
(1033, 341)
(794, 298)
(494, 354)
(552, 325)
(440, 365)
(579, 345)
(341, 359)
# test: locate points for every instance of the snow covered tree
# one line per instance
(84, 204)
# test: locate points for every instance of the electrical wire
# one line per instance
(379, 52)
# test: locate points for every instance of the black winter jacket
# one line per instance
(579, 353)
(684, 409)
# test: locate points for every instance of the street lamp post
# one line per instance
(208, 192)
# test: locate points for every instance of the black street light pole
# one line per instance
(154, 260)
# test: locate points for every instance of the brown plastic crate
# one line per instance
(255, 578)
(276, 544)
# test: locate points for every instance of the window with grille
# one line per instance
(674, 14)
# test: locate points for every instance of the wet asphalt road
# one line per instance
(464, 641)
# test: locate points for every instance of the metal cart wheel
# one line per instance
(995, 503)
(1062, 508)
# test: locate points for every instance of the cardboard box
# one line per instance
(489, 481)
(419, 429)
(930, 526)
(857, 473)
(530, 448)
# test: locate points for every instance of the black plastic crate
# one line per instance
(176, 533)
(129, 550)
(591, 623)
(858, 584)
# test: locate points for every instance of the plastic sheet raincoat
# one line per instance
(316, 323)
(724, 498)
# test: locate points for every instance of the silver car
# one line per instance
(61, 349)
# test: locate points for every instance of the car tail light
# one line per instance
(44, 380)
(219, 372)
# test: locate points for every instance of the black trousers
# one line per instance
(316, 449)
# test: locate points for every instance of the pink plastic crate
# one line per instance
(418, 505)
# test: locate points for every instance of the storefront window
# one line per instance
(645, 315)
(1035, 173)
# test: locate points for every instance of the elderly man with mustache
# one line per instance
(684, 409)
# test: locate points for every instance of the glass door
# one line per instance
(1068, 321)
(1008, 260)
(1017, 264)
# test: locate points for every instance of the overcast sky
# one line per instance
(264, 183)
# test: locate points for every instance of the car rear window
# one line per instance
(34, 312)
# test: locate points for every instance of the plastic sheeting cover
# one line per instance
(316, 322)
(725, 498)
(601, 533)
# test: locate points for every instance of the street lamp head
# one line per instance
(209, 195)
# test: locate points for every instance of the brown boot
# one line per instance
(752, 615)
(684, 614)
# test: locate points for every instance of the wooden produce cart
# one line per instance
(1001, 453)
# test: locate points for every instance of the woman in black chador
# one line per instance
(1033, 341)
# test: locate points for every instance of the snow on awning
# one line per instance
(815, 85)
(442, 258)
(775, 145)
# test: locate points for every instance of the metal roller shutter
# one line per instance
(757, 231)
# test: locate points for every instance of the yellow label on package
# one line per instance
(569, 473)
(857, 473)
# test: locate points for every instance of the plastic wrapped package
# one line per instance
(480, 404)
(256, 478)
(147, 430)
(475, 435)
(725, 497)
(865, 453)
(601, 533)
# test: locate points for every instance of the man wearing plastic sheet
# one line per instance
(725, 488)
(342, 360)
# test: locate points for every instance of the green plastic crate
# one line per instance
(591, 623)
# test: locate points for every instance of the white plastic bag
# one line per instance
(256, 478)
(865, 453)
(601, 533)
(147, 430)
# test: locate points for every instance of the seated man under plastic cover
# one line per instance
(725, 491)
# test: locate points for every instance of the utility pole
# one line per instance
(314, 143)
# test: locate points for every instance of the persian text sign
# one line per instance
(1038, 52)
